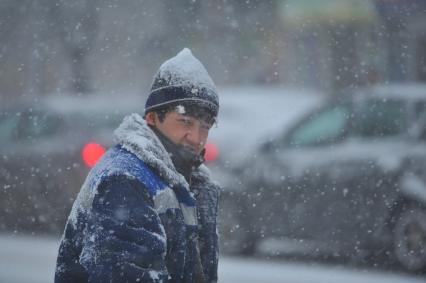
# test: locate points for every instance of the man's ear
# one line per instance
(151, 118)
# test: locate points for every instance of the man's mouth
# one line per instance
(192, 149)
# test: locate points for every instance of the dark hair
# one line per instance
(161, 113)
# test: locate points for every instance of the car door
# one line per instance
(379, 148)
(303, 176)
(29, 172)
(342, 164)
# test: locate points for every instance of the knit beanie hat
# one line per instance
(183, 80)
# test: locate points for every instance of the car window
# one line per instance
(420, 111)
(420, 119)
(324, 127)
(36, 125)
(8, 124)
(96, 121)
(378, 118)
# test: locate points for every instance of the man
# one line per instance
(147, 211)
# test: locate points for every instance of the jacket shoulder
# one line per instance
(120, 163)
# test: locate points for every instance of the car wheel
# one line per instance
(410, 238)
(234, 236)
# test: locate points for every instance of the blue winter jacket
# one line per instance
(136, 220)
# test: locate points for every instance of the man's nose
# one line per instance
(197, 136)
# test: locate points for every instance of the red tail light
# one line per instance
(91, 153)
(212, 152)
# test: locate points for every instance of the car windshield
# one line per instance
(323, 127)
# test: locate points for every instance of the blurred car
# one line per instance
(249, 113)
(346, 180)
(48, 145)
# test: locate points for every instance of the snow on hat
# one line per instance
(183, 80)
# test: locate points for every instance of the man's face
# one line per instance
(182, 129)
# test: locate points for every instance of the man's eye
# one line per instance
(206, 126)
(186, 122)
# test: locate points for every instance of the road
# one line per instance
(27, 259)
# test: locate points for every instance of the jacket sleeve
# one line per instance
(208, 199)
(124, 240)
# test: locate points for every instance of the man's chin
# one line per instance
(192, 150)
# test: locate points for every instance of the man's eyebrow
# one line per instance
(184, 116)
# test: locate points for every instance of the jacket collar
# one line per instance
(136, 136)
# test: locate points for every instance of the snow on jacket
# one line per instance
(137, 220)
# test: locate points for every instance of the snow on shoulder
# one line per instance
(185, 69)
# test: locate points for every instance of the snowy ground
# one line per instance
(25, 259)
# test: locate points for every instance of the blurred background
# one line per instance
(321, 130)
(85, 46)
